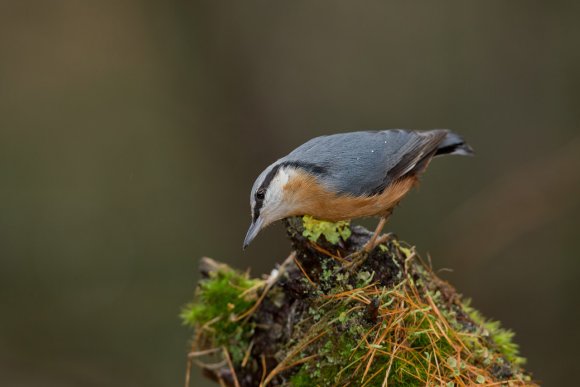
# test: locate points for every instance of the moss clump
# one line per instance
(390, 320)
(333, 232)
(408, 335)
(501, 337)
(218, 300)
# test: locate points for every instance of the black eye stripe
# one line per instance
(260, 195)
(267, 180)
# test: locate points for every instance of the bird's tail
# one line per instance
(453, 144)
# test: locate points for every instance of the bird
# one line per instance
(346, 176)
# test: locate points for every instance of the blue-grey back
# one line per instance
(358, 163)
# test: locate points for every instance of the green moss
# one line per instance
(326, 371)
(354, 328)
(333, 232)
(419, 341)
(503, 338)
(217, 300)
(302, 379)
(339, 358)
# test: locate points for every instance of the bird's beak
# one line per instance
(254, 229)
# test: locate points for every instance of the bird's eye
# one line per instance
(260, 194)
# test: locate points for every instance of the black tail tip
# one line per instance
(464, 150)
(454, 144)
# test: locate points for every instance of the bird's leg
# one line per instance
(360, 256)
(375, 240)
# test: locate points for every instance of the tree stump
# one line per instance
(315, 321)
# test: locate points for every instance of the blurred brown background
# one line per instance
(131, 133)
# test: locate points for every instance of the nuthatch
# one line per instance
(348, 175)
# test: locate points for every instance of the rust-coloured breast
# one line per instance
(307, 196)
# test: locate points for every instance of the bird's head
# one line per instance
(269, 200)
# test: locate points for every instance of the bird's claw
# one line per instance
(356, 259)
(359, 257)
(373, 243)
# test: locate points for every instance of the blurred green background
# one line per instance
(131, 133)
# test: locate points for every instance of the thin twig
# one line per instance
(202, 353)
(297, 262)
(188, 371)
(231, 367)
(283, 365)
(264, 370)
(386, 381)
(271, 281)
(328, 253)
(247, 355)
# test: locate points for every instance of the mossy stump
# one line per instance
(313, 322)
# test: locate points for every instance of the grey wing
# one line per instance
(364, 163)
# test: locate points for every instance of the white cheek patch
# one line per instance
(274, 201)
(274, 193)
(283, 176)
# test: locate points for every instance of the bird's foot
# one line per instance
(374, 242)
(357, 258)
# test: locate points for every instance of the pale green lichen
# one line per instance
(332, 231)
